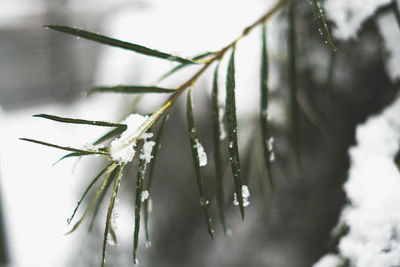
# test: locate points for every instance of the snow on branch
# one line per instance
(373, 191)
(348, 16)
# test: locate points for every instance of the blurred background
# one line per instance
(42, 71)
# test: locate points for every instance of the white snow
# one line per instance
(329, 260)
(91, 147)
(348, 16)
(390, 31)
(245, 197)
(146, 151)
(204, 202)
(123, 148)
(145, 195)
(271, 142)
(373, 190)
(272, 156)
(201, 153)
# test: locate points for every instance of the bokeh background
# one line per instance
(47, 72)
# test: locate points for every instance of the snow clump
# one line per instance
(373, 187)
(201, 153)
(329, 260)
(123, 148)
(146, 151)
(245, 197)
(348, 16)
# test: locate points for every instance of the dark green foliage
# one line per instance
(217, 130)
(110, 211)
(322, 27)
(138, 203)
(79, 121)
(110, 168)
(233, 147)
(180, 66)
(154, 154)
(99, 152)
(101, 197)
(117, 43)
(87, 190)
(194, 146)
(110, 134)
(73, 154)
(113, 171)
(130, 89)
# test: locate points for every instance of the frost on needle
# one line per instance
(123, 148)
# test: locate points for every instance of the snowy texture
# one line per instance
(146, 151)
(145, 195)
(329, 260)
(373, 190)
(92, 147)
(245, 195)
(390, 31)
(272, 156)
(348, 16)
(270, 144)
(201, 153)
(123, 148)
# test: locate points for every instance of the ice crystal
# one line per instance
(201, 153)
(245, 197)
